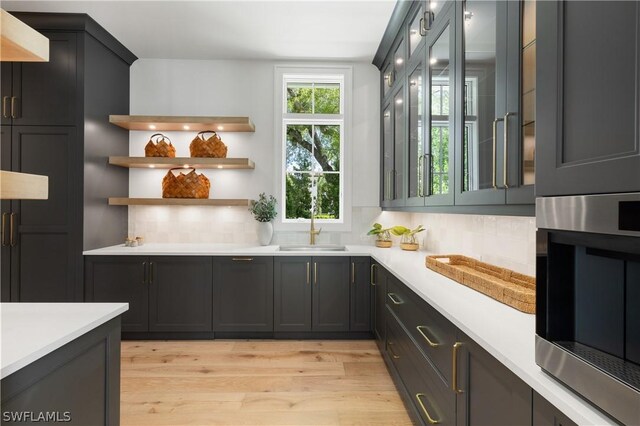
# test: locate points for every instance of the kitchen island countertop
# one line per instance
(504, 332)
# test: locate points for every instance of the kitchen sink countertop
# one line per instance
(29, 331)
(504, 332)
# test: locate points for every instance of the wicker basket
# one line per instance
(212, 146)
(504, 285)
(159, 147)
(190, 185)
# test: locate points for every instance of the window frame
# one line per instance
(315, 74)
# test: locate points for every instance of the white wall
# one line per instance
(239, 88)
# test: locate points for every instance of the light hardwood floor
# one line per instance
(257, 383)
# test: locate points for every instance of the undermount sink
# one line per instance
(317, 247)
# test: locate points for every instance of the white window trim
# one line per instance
(281, 118)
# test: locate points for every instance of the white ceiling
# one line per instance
(273, 29)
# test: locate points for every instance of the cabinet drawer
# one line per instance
(433, 400)
(432, 332)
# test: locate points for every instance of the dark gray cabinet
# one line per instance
(180, 291)
(545, 414)
(331, 292)
(243, 294)
(591, 136)
(379, 283)
(44, 109)
(360, 311)
(487, 392)
(322, 294)
(165, 293)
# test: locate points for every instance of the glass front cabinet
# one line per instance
(458, 125)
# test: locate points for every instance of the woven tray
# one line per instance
(504, 285)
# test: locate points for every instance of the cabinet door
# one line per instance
(416, 153)
(545, 414)
(360, 294)
(46, 93)
(379, 282)
(47, 242)
(120, 279)
(5, 93)
(399, 143)
(243, 294)
(481, 102)
(5, 211)
(588, 120)
(292, 293)
(488, 393)
(387, 150)
(330, 307)
(180, 289)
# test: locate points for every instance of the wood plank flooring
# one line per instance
(257, 383)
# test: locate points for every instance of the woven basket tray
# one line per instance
(180, 185)
(159, 147)
(212, 146)
(504, 285)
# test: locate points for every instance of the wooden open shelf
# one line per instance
(184, 123)
(124, 201)
(195, 162)
(23, 186)
(19, 42)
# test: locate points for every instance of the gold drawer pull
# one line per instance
(395, 299)
(429, 341)
(430, 419)
(393, 355)
(371, 276)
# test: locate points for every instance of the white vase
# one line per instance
(265, 233)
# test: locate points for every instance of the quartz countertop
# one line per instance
(504, 332)
(30, 331)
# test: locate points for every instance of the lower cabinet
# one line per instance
(444, 377)
(243, 294)
(322, 293)
(165, 293)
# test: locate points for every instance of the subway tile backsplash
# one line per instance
(506, 241)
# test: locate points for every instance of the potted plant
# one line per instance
(408, 241)
(383, 238)
(264, 211)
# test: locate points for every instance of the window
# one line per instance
(313, 147)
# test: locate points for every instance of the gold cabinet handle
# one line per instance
(151, 272)
(13, 107)
(308, 273)
(506, 149)
(393, 354)
(454, 374)
(353, 272)
(495, 152)
(429, 341)
(371, 276)
(242, 259)
(430, 419)
(4, 229)
(5, 113)
(315, 272)
(12, 239)
(395, 299)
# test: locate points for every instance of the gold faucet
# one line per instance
(313, 231)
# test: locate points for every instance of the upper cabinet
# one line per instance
(458, 79)
(590, 129)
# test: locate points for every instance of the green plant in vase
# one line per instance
(383, 237)
(408, 236)
(264, 211)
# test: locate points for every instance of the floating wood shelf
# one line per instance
(174, 123)
(23, 186)
(167, 163)
(123, 201)
(19, 42)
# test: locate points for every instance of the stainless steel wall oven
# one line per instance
(588, 298)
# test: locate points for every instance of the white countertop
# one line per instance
(504, 332)
(30, 331)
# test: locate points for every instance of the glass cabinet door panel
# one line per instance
(416, 30)
(388, 155)
(435, 7)
(441, 80)
(416, 132)
(387, 78)
(398, 136)
(479, 94)
(399, 60)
